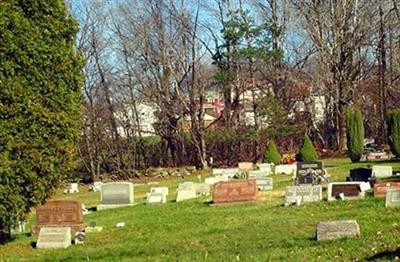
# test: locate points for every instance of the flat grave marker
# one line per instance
(54, 237)
(337, 229)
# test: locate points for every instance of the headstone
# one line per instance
(97, 186)
(365, 186)
(350, 190)
(307, 173)
(226, 172)
(156, 198)
(159, 190)
(245, 166)
(258, 173)
(54, 237)
(360, 174)
(371, 156)
(116, 194)
(382, 171)
(59, 213)
(185, 194)
(337, 229)
(264, 183)
(304, 168)
(19, 228)
(73, 188)
(303, 194)
(285, 169)
(235, 191)
(267, 168)
(380, 188)
(202, 189)
(392, 198)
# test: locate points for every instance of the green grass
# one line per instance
(193, 231)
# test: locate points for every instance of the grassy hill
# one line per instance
(193, 231)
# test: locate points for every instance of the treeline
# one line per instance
(281, 68)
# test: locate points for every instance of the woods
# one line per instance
(202, 83)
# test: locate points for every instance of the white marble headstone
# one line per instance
(382, 171)
(54, 237)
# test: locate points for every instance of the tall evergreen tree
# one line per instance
(394, 131)
(355, 134)
(307, 151)
(40, 104)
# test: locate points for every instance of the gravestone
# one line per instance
(245, 166)
(303, 168)
(264, 183)
(258, 173)
(73, 188)
(235, 191)
(116, 194)
(267, 168)
(380, 188)
(307, 179)
(307, 173)
(59, 213)
(202, 189)
(392, 198)
(350, 190)
(226, 172)
(19, 228)
(365, 186)
(97, 186)
(156, 198)
(382, 171)
(360, 174)
(285, 169)
(371, 156)
(54, 237)
(185, 194)
(337, 229)
(159, 190)
(302, 194)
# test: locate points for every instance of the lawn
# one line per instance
(193, 231)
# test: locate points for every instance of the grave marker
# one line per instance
(159, 190)
(245, 166)
(360, 174)
(382, 171)
(54, 237)
(285, 169)
(59, 213)
(116, 194)
(156, 198)
(185, 194)
(337, 229)
(350, 190)
(235, 191)
(264, 183)
(392, 198)
(380, 188)
(302, 194)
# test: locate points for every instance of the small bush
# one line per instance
(272, 155)
(307, 151)
(394, 131)
(355, 134)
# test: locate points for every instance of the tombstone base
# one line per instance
(110, 206)
(211, 204)
(74, 228)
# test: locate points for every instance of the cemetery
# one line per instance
(265, 220)
(213, 130)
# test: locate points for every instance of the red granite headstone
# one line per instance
(59, 213)
(381, 188)
(235, 191)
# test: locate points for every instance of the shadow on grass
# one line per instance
(386, 255)
(33, 244)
